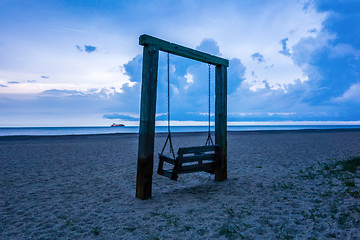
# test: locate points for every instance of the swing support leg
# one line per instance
(147, 123)
(220, 121)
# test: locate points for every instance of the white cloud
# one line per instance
(270, 22)
(344, 50)
(352, 94)
(189, 80)
(54, 53)
(238, 28)
(307, 47)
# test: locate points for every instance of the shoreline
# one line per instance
(186, 133)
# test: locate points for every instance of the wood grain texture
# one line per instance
(221, 121)
(217, 154)
(146, 40)
(147, 122)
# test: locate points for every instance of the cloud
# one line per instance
(133, 68)
(79, 48)
(189, 87)
(258, 57)
(261, 116)
(62, 92)
(45, 77)
(185, 116)
(13, 82)
(87, 48)
(2, 85)
(69, 29)
(189, 92)
(342, 50)
(92, 92)
(330, 58)
(31, 81)
(56, 108)
(315, 76)
(236, 75)
(352, 94)
(188, 84)
(210, 46)
(125, 117)
(285, 50)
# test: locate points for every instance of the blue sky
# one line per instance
(78, 63)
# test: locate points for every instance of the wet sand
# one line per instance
(281, 185)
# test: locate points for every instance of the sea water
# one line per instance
(55, 131)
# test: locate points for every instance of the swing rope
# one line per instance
(168, 139)
(209, 140)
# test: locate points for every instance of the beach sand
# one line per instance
(281, 185)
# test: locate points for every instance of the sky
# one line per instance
(78, 63)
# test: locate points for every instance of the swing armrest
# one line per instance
(167, 159)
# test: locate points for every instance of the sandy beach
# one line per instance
(281, 185)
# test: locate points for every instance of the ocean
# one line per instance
(56, 131)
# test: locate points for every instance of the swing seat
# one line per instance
(188, 160)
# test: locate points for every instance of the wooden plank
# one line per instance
(175, 170)
(176, 49)
(167, 159)
(147, 122)
(221, 121)
(197, 168)
(200, 157)
(168, 173)
(201, 149)
(160, 166)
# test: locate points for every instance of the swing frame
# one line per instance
(145, 161)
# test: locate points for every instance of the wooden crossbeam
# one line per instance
(146, 40)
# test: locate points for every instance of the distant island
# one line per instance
(117, 125)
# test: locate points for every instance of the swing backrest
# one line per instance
(200, 153)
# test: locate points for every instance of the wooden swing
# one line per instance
(188, 159)
(145, 159)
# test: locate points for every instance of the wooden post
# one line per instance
(220, 120)
(147, 122)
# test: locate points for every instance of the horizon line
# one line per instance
(212, 124)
